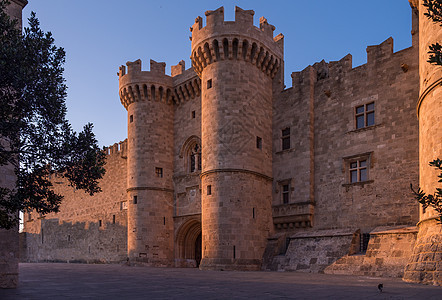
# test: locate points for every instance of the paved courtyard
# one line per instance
(74, 281)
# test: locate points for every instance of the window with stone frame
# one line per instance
(357, 168)
(364, 115)
(285, 138)
(285, 190)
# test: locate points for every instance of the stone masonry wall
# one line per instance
(86, 229)
(390, 145)
(387, 253)
(187, 133)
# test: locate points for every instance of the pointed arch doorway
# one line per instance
(188, 245)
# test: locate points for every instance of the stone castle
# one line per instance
(226, 169)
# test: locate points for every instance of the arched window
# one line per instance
(191, 154)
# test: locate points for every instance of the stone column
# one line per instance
(425, 265)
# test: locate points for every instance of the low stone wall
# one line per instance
(312, 251)
(387, 254)
(78, 242)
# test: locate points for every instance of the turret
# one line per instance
(239, 66)
(425, 264)
(147, 96)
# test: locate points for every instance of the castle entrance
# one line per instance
(188, 245)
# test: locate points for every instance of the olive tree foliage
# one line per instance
(434, 13)
(432, 200)
(36, 139)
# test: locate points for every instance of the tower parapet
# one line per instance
(235, 40)
(137, 85)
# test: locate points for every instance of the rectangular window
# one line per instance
(209, 190)
(285, 138)
(193, 114)
(285, 193)
(113, 219)
(258, 142)
(364, 115)
(209, 83)
(159, 172)
(135, 199)
(100, 223)
(358, 171)
(131, 118)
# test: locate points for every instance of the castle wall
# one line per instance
(390, 145)
(329, 94)
(87, 228)
(187, 134)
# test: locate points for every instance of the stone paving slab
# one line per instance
(81, 281)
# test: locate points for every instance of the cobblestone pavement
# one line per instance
(81, 281)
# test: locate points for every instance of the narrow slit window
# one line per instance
(159, 172)
(209, 83)
(131, 118)
(285, 193)
(135, 200)
(258, 142)
(193, 114)
(285, 138)
(209, 190)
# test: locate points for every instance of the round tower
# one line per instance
(239, 66)
(425, 264)
(147, 97)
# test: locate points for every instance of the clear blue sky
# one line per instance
(101, 35)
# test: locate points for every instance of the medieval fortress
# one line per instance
(223, 168)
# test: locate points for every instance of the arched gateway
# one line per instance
(188, 244)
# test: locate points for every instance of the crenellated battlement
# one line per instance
(137, 85)
(117, 149)
(376, 55)
(235, 40)
(154, 85)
